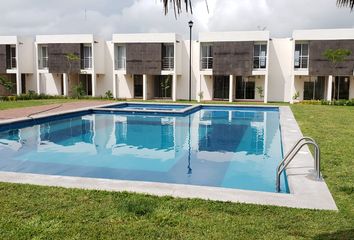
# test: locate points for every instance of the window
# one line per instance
(314, 89)
(168, 57)
(301, 56)
(87, 57)
(12, 57)
(120, 57)
(206, 56)
(42, 57)
(260, 56)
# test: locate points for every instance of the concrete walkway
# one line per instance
(52, 108)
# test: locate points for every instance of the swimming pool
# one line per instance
(228, 147)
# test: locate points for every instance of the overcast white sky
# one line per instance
(104, 17)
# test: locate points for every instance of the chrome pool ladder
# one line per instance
(292, 153)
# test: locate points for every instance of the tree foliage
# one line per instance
(336, 56)
(6, 83)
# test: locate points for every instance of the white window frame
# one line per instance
(299, 57)
(261, 57)
(168, 61)
(42, 60)
(87, 64)
(13, 59)
(206, 62)
(120, 61)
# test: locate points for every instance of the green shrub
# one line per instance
(109, 94)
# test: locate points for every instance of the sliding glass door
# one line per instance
(314, 89)
(163, 86)
(221, 87)
(138, 86)
(340, 89)
(245, 89)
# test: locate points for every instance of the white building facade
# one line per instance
(225, 66)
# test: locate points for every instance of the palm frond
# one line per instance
(346, 3)
(177, 5)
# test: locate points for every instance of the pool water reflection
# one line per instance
(220, 147)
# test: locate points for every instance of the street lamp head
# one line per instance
(190, 23)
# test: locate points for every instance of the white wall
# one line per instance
(324, 34)
(50, 83)
(106, 77)
(238, 36)
(183, 80)
(125, 86)
(351, 88)
(280, 69)
(26, 55)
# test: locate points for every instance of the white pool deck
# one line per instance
(305, 191)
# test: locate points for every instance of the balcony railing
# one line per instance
(259, 62)
(206, 63)
(86, 63)
(43, 63)
(168, 63)
(301, 62)
(11, 63)
(120, 64)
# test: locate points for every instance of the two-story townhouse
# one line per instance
(314, 76)
(233, 66)
(16, 58)
(146, 66)
(65, 61)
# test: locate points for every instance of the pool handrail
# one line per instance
(292, 153)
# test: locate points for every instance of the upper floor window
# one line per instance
(42, 57)
(206, 56)
(11, 56)
(120, 57)
(87, 57)
(168, 57)
(301, 56)
(260, 56)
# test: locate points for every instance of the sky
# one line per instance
(104, 17)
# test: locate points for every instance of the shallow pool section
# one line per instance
(225, 147)
(151, 107)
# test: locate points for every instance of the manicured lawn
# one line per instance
(30, 103)
(55, 213)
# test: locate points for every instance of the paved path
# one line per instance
(57, 107)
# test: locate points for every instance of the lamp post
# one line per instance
(190, 24)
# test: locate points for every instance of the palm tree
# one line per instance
(346, 3)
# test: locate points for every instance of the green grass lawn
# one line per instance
(56, 213)
(30, 103)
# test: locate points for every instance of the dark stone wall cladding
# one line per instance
(318, 63)
(2, 58)
(144, 58)
(233, 58)
(57, 61)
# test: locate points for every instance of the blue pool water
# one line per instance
(158, 107)
(214, 146)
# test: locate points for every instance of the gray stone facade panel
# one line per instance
(144, 58)
(319, 65)
(233, 58)
(57, 60)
